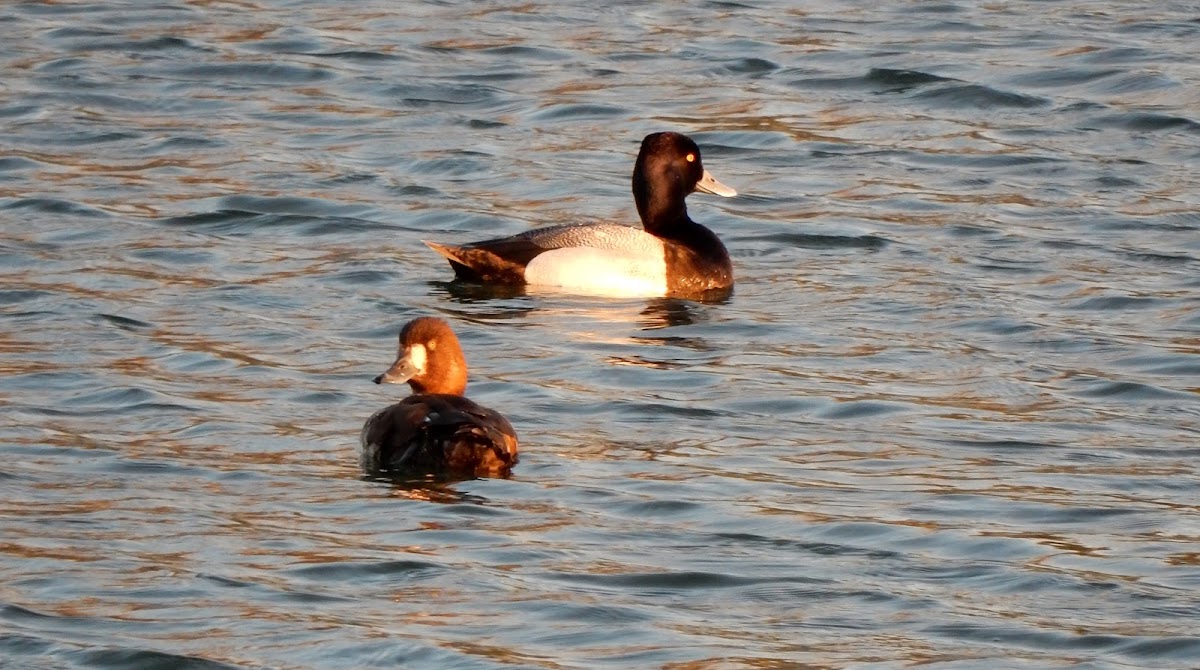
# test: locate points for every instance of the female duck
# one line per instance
(672, 256)
(436, 429)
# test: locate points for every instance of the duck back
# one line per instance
(439, 433)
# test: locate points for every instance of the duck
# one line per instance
(670, 256)
(436, 430)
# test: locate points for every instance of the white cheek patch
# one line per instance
(601, 272)
(417, 356)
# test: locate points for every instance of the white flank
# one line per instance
(600, 272)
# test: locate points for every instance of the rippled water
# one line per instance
(950, 416)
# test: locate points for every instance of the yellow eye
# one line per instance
(691, 158)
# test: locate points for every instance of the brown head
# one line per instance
(430, 359)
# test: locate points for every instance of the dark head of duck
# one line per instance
(667, 170)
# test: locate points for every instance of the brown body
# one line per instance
(435, 430)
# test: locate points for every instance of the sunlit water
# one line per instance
(950, 417)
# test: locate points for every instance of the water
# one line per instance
(949, 417)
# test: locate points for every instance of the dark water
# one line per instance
(949, 418)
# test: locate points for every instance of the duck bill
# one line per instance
(709, 184)
(401, 371)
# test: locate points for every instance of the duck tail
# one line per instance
(476, 264)
(449, 251)
(456, 257)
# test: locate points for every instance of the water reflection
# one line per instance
(437, 488)
(470, 293)
(502, 302)
(662, 313)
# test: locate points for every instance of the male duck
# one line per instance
(436, 429)
(672, 256)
